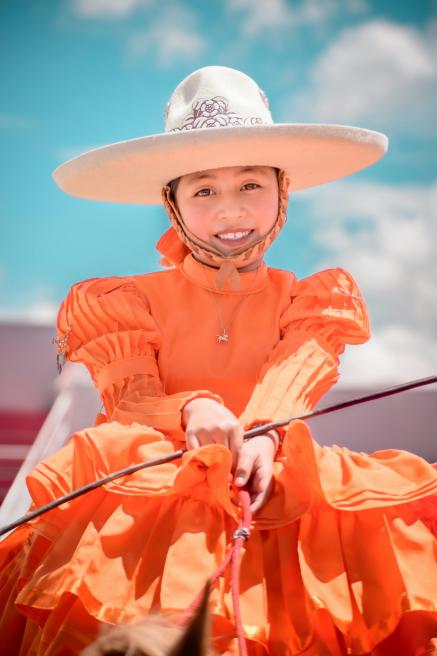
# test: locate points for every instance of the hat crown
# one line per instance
(216, 96)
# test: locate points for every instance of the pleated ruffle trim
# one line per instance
(149, 541)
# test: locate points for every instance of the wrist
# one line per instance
(273, 438)
(267, 440)
(194, 405)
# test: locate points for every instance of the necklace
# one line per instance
(223, 336)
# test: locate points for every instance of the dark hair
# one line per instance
(174, 184)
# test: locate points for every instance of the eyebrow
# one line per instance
(198, 177)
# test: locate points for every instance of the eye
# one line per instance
(251, 185)
(205, 191)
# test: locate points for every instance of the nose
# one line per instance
(231, 209)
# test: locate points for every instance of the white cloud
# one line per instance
(107, 9)
(40, 312)
(172, 38)
(259, 16)
(313, 12)
(394, 354)
(385, 236)
(379, 70)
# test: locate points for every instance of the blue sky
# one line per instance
(77, 74)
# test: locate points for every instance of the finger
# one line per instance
(192, 440)
(227, 431)
(212, 435)
(244, 467)
(261, 487)
(259, 498)
(205, 436)
(258, 501)
(235, 442)
(220, 435)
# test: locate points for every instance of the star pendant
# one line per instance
(223, 337)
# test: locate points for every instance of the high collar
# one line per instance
(204, 276)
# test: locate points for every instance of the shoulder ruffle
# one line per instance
(330, 305)
(106, 322)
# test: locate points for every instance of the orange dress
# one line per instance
(338, 561)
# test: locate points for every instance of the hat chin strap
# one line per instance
(178, 241)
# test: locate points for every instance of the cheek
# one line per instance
(195, 219)
(268, 213)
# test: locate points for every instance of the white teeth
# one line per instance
(233, 235)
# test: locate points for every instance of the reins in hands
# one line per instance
(253, 432)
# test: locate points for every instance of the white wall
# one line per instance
(404, 421)
(27, 366)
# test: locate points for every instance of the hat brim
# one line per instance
(135, 171)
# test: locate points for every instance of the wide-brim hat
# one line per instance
(218, 117)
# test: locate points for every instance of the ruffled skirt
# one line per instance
(341, 559)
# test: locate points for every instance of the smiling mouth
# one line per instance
(234, 237)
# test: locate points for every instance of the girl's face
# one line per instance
(229, 207)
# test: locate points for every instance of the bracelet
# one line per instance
(275, 435)
(272, 433)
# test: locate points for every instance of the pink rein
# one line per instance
(233, 557)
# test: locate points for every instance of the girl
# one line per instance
(338, 561)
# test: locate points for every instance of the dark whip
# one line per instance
(253, 432)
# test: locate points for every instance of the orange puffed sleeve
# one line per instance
(106, 324)
(326, 312)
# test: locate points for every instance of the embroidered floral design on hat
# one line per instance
(212, 113)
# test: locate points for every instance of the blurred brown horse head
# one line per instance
(157, 636)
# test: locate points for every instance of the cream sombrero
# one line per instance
(218, 117)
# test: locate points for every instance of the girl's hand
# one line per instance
(255, 467)
(209, 422)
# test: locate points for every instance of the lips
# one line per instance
(234, 238)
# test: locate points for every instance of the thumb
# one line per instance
(191, 439)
